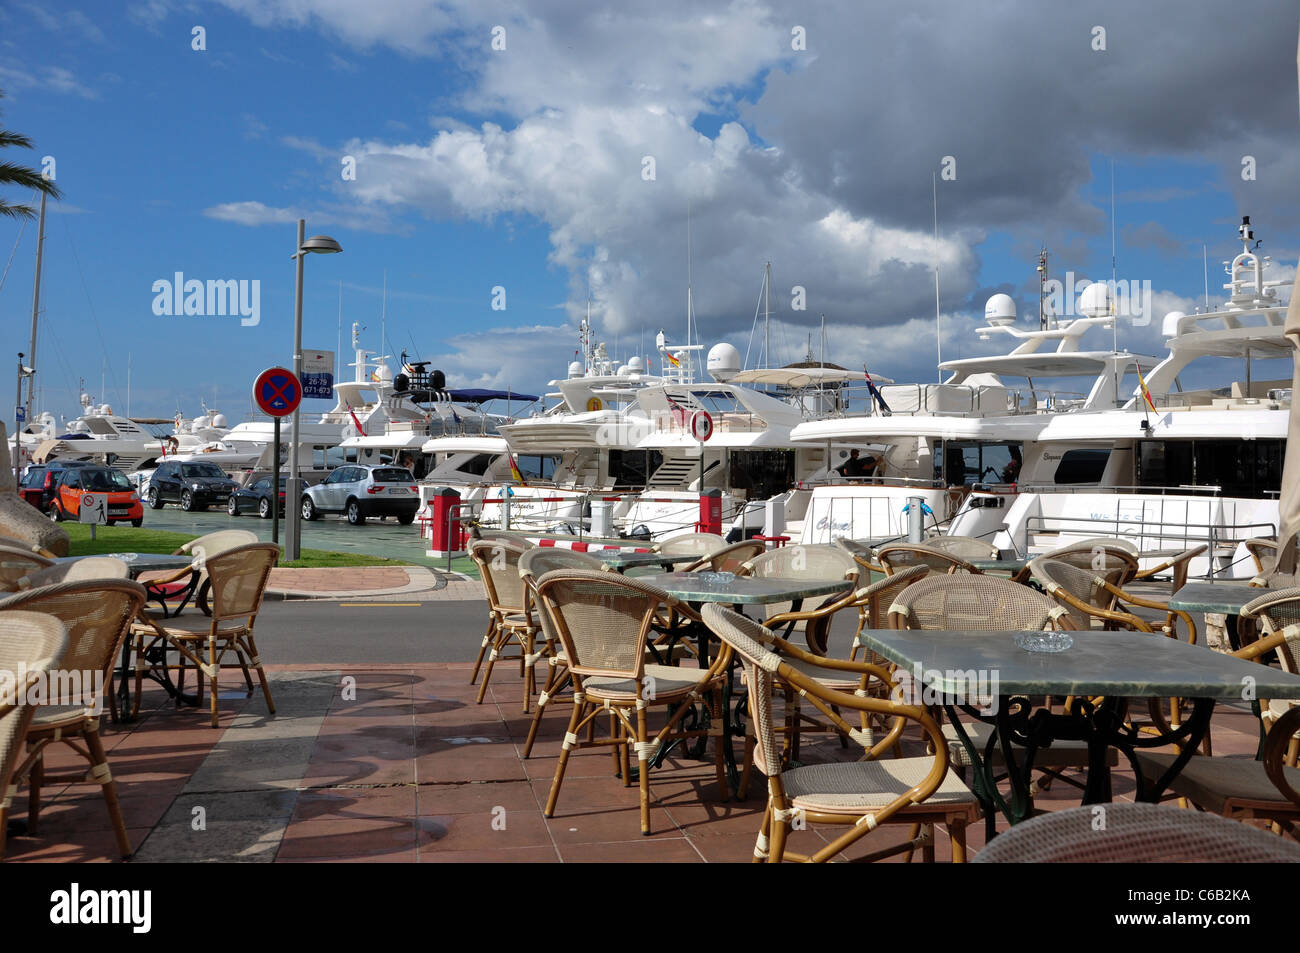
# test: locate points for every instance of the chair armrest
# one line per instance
(851, 598)
(1274, 756)
(175, 577)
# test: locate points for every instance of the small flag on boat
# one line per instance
(360, 429)
(514, 470)
(1146, 394)
(679, 412)
(875, 394)
(455, 416)
(672, 360)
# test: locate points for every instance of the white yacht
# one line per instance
(98, 434)
(1202, 466)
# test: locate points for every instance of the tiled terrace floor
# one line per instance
(410, 769)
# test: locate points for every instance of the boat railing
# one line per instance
(1179, 490)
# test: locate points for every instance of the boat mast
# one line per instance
(767, 315)
(36, 308)
(938, 321)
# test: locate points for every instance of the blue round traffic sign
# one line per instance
(277, 391)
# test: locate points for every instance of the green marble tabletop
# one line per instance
(708, 587)
(617, 560)
(1227, 597)
(1134, 664)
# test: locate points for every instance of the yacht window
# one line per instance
(1081, 466)
(97, 425)
(761, 473)
(630, 469)
(538, 466)
(968, 463)
(477, 464)
(1249, 469)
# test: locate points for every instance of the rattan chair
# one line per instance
(1121, 833)
(1263, 552)
(1087, 593)
(692, 544)
(166, 587)
(34, 643)
(861, 795)
(77, 570)
(873, 606)
(1277, 611)
(534, 564)
(729, 558)
(864, 555)
(1113, 542)
(510, 618)
(1119, 565)
(967, 547)
(97, 614)
(16, 565)
(817, 561)
(604, 620)
(896, 556)
(239, 577)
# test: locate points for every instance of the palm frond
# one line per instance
(14, 174)
(16, 211)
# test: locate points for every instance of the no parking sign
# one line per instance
(277, 391)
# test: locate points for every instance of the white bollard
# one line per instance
(774, 518)
(602, 519)
(915, 519)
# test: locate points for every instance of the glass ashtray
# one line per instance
(1044, 641)
(718, 578)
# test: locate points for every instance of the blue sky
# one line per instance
(521, 168)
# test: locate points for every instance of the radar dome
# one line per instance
(105, 410)
(1000, 310)
(624, 370)
(219, 420)
(723, 361)
(635, 365)
(1094, 302)
(575, 369)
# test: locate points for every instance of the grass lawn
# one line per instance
(128, 539)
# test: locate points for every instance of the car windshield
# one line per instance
(392, 475)
(201, 470)
(104, 481)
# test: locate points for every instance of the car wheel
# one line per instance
(56, 514)
(406, 519)
(264, 509)
(155, 501)
(137, 523)
(232, 505)
(309, 511)
(355, 516)
(187, 501)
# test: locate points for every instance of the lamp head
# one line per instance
(321, 244)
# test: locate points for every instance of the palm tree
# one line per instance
(13, 174)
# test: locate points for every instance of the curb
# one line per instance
(422, 580)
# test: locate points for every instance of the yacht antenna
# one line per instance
(767, 315)
(1042, 289)
(36, 309)
(338, 344)
(128, 383)
(938, 324)
(383, 319)
(1114, 320)
(1205, 265)
(688, 275)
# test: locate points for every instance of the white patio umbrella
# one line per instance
(1284, 569)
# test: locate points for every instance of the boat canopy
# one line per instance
(473, 395)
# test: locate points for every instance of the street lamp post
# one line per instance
(319, 244)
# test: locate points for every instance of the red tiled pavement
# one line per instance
(412, 769)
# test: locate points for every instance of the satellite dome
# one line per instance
(219, 420)
(105, 410)
(635, 365)
(624, 370)
(1094, 302)
(1000, 310)
(575, 369)
(723, 361)
(384, 373)
(201, 422)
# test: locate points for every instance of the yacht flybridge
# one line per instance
(1202, 466)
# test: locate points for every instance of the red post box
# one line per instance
(445, 534)
(710, 512)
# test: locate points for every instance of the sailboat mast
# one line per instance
(767, 315)
(36, 307)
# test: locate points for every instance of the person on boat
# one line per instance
(856, 466)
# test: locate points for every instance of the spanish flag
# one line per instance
(514, 470)
(1146, 394)
(672, 360)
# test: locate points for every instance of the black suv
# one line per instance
(195, 486)
(42, 479)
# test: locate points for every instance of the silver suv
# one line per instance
(364, 490)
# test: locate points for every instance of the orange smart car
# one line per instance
(106, 486)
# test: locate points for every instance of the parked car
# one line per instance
(42, 479)
(362, 491)
(256, 498)
(121, 502)
(195, 486)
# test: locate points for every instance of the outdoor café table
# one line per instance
(697, 588)
(1216, 598)
(1116, 665)
(666, 561)
(136, 565)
